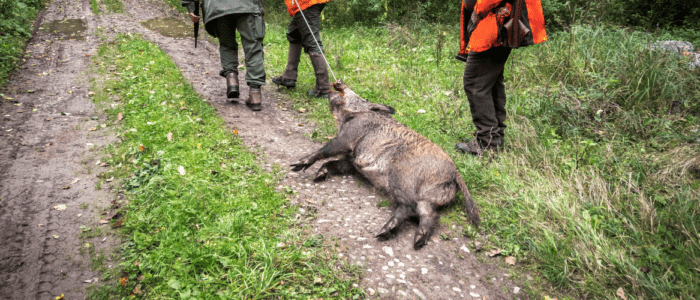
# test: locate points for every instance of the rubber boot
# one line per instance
(289, 77)
(323, 85)
(254, 98)
(232, 85)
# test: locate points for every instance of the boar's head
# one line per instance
(345, 102)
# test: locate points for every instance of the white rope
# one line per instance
(317, 44)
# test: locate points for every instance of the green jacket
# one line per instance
(218, 8)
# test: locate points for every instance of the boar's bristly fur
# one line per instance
(417, 174)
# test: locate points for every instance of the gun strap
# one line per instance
(514, 33)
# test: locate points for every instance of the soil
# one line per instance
(40, 157)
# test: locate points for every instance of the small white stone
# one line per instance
(421, 111)
(391, 263)
(403, 293)
(385, 268)
(403, 276)
(516, 290)
(366, 246)
(409, 257)
(456, 289)
(475, 295)
(464, 248)
(411, 270)
(388, 251)
(390, 276)
(420, 294)
(401, 265)
(472, 286)
(423, 271)
(371, 291)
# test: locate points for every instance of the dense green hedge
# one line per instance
(558, 13)
(16, 18)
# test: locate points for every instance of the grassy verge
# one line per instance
(203, 220)
(599, 186)
(16, 21)
(106, 6)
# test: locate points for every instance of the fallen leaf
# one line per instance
(301, 110)
(141, 148)
(91, 93)
(59, 297)
(79, 215)
(47, 120)
(120, 116)
(494, 252)
(183, 108)
(104, 164)
(55, 236)
(510, 260)
(301, 124)
(235, 132)
(34, 109)
(477, 246)
(109, 179)
(40, 225)
(199, 146)
(70, 92)
(60, 207)
(170, 136)
(123, 281)
(136, 291)
(118, 224)
(621, 294)
(103, 222)
(75, 180)
(310, 201)
(645, 270)
(318, 281)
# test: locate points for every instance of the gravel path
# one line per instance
(342, 207)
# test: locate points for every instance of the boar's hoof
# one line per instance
(303, 164)
(419, 241)
(384, 235)
(322, 174)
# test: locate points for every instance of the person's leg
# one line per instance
(481, 74)
(499, 93)
(251, 27)
(310, 37)
(252, 30)
(228, 46)
(289, 77)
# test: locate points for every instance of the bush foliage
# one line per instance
(16, 18)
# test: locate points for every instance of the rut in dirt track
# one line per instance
(344, 209)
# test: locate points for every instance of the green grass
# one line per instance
(598, 188)
(16, 24)
(217, 231)
(106, 6)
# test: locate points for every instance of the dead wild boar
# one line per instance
(414, 172)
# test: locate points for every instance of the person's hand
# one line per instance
(194, 18)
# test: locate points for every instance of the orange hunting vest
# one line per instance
(489, 32)
(293, 9)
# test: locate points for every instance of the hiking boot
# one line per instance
(323, 85)
(232, 85)
(254, 98)
(289, 77)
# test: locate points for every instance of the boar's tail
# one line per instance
(469, 205)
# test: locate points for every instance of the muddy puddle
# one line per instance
(170, 27)
(68, 28)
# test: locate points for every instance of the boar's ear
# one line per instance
(382, 108)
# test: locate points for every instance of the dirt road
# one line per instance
(40, 157)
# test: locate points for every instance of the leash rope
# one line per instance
(312, 35)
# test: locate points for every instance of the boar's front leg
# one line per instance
(428, 219)
(335, 147)
(335, 167)
(399, 216)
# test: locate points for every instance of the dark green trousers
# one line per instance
(483, 84)
(298, 32)
(251, 27)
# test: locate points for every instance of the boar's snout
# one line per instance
(351, 102)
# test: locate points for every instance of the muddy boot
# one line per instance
(232, 85)
(289, 77)
(254, 98)
(323, 85)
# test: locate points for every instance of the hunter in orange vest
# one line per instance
(489, 30)
(302, 35)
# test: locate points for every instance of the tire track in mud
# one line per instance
(47, 148)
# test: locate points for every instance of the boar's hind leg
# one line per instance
(399, 216)
(335, 167)
(428, 219)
